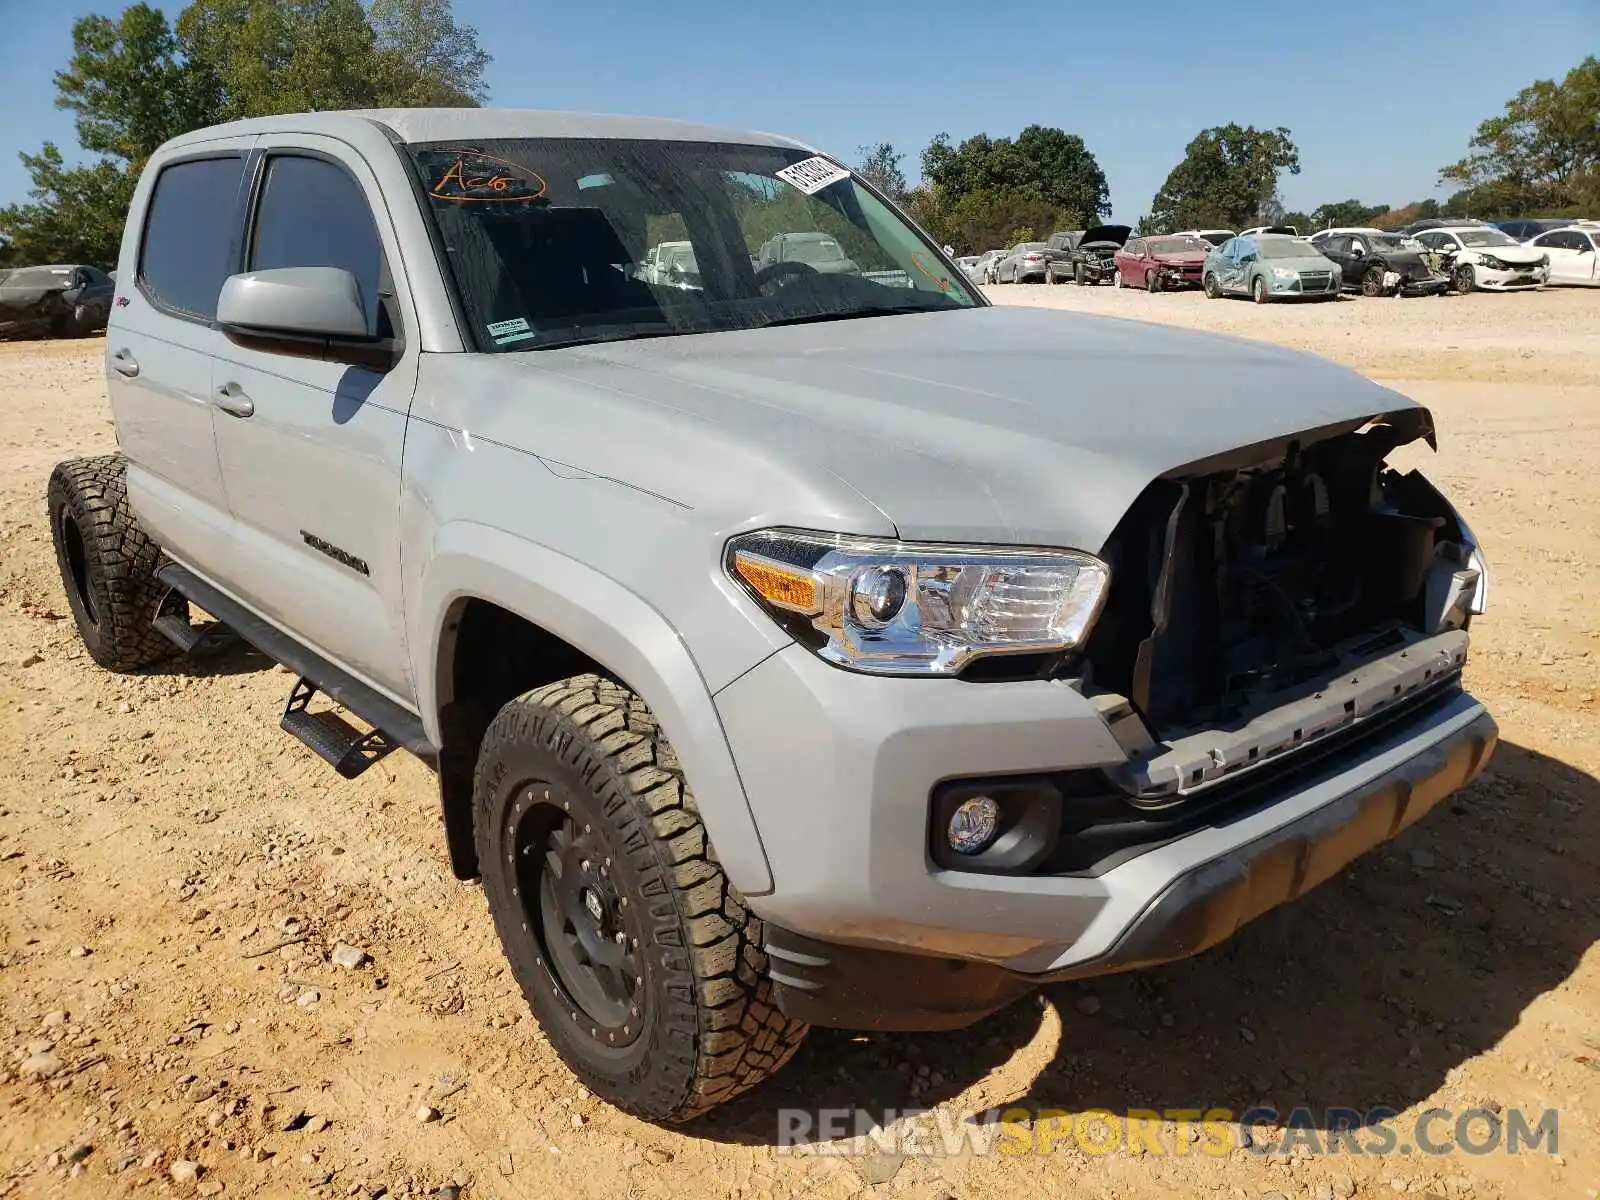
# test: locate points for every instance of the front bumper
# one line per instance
(866, 931)
(1496, 280)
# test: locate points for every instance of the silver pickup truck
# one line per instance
(792, 646)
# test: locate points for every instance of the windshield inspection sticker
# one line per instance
(811, 175)
(514, 330)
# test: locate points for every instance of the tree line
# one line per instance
(135, 81)
(1539, 157)
(138, 80)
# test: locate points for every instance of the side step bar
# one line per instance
(348, 749)
(172, 622)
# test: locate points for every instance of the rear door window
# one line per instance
(188, 247)
(312, 213)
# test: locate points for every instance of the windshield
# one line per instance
(549, 240)
(1286, 247)
(33, 277)
(1176, 245)
(1485, 237)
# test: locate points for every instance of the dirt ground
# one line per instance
(159, 837)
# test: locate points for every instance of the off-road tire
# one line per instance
(1211, 287)
(709, 1028)
(107, 563)
(1259, 291)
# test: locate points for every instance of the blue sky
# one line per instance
(1378, 94)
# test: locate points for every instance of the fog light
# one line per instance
(973, 825)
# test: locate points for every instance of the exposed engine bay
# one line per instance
(1242, 589)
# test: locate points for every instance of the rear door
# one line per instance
(310, 450)
(161, 341)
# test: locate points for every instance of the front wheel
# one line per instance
(1259, 290)
(635, 953)
(1464, 278)
(1152, 281)
(1212, 288)
(1078, 275)
(1117, 281)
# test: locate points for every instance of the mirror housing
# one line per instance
(307, 312)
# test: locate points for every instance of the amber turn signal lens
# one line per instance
(781, 585)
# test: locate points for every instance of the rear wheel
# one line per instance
(1372, 281)
(634, 951)
(107, 563)
(1212, 288)
(1259, 290)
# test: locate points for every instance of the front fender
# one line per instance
(613, 626)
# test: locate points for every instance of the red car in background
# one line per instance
(1162, 263)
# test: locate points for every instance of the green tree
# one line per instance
(72, 214)
(1345, 212)
(880, 166)
(1228, 178)
(979, 194)
(136, 81)
(1542, 152)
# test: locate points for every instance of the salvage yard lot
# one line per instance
(157, 833)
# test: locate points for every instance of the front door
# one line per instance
(160, 343)
(310, 450)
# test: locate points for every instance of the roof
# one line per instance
(448, 124)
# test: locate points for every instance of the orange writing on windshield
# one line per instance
(474, 178)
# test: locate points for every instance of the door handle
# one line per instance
(124, 363)
(230, 398)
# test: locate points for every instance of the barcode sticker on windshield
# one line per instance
(811, 175)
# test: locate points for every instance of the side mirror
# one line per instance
(308, 312)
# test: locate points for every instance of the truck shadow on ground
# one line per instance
(1363, 994)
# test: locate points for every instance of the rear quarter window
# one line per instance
(188, 247)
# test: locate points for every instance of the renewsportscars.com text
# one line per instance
(1213, 1132)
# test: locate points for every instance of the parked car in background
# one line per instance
(1384, 264)
(1160, 264)
(1270, 266)
(671, 264)
(1286, 230)
(983, 271)
(1025, 261)
(1525, 229)
(1443, 223)
(1058, 255)
(966, 262)
(819, 251)
(1215, 236)
(1317, 238)
(1574, 253)
(58, 300)
(1093, 259)
(1481, 256)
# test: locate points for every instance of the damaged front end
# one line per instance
(1268, 600)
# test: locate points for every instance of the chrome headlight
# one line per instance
(928, 608)
(1284, 273)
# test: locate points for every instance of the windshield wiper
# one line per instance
(851, 314)
(587, 338)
